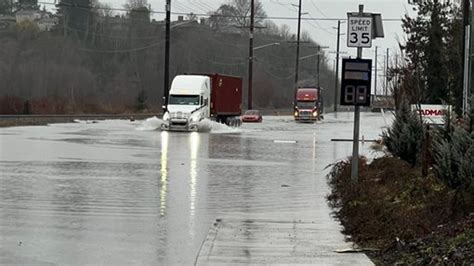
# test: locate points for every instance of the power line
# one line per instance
(319, 26)
(317, 9)
(181, 7)
(283, 5)
(227, 63)
(199, 6)
(207, 15)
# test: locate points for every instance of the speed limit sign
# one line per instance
(359, 31)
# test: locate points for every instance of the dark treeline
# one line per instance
(432, 67)
(96, 61)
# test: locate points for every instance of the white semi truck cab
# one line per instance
(188, 103)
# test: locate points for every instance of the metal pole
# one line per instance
(317, 64)
(386, 74)
(337, 66)
(355, 139)
(375, 75)
(466, 52)
(250, 75)
(167, 54)
(298, 46)
(465, 93)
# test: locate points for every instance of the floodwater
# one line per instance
(117, 192)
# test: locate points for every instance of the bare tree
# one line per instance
(270, 28)
(237, 14)
(192, 17)
(135, 4)
(101, 9)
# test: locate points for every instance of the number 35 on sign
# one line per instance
(359, 31)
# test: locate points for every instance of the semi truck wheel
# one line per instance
(232, 121)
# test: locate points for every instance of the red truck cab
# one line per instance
(308, 104)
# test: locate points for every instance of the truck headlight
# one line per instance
(166, 116)
(296, 113)
(315, 113)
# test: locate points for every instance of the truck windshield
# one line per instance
(305, 104)
(184, 99)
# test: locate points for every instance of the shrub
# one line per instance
(454, 160)
(10, 105)
(404, 138)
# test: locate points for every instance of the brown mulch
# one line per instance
(409, 219)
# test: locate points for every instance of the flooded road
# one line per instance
(120, 193)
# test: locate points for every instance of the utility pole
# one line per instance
(249, 104)
(318, 63)
(298, 46)
(386, 73)
(466, 56)
(167, 54)
(375, 76)
(337, 66)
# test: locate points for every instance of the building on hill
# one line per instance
(44, 20)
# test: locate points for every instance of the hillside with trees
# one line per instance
(97, 61)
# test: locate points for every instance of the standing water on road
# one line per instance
(117, 192)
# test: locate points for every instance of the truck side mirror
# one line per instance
(163, 106)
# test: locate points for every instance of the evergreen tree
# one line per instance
(404, 138)
(6, 7)
(455, 62)
(27, 4)
(454, 160)
(432, 73)
(76, 17)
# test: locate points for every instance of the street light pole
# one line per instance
(265, 45)
(249, 103)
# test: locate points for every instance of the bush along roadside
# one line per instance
(405, 216)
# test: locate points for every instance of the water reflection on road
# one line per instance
(107, 193)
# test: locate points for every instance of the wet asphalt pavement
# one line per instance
(117, 192)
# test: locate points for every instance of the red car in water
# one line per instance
(252, 116)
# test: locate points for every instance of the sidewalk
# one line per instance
(275, 242)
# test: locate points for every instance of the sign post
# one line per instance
(356, 75)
